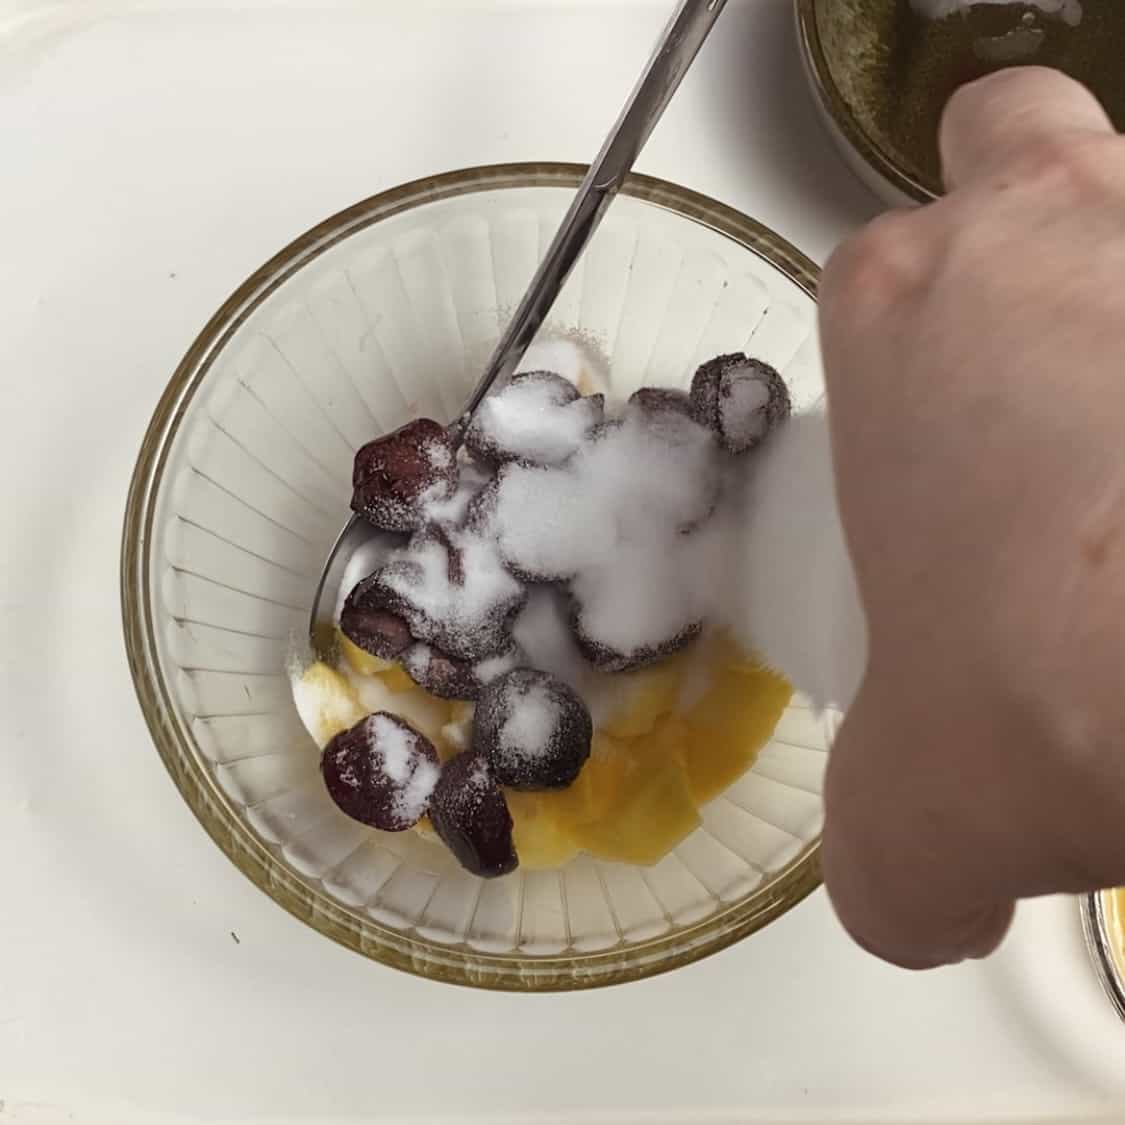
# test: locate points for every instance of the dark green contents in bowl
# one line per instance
(897, 66)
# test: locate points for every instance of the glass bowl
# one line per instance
(384, 311)
(1103, 924)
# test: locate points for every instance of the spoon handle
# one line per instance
(674, 52)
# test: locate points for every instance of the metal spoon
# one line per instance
(674, 52)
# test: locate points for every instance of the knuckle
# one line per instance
(874, 269)
(1069, 163)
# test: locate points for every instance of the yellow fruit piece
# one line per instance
(364, 663)
(326, 702)
(648, 822)
(540, 843)
(461, 711)
(398, 679)
(644, 697)
(606, 776)
(669, 739)
(729, 725)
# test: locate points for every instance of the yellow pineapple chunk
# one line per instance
(729, 725)
(326, 702)
(461, 711)
(643, 698)
(649, 820)
(365, 663)
(397, 679)
(671, 739)
(607, 774)
(540, 843)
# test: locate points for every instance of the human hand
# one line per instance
(975, 357)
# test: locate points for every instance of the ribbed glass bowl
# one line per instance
(382, 312)
(1103, 923)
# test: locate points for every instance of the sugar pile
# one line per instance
(742, 412)
(628, 521)
(411, 776)
(793, 597)
(534, 715)
(539, 418)
(454, 592)
(625, 515)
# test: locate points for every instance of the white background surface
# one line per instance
(149, 160)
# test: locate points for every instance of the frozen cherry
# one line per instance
(537, 418)
(368, 620)
(397, 475)
(442, 675)
(740, 399)
(534, 730)
(656, 402)
(469, 813)
(632, 614)
(381, 772)
(453, 591)
(610, 659)
(439, 673)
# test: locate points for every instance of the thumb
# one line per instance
(990, 122)
(894, 865)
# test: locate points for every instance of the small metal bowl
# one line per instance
(882, 70)
(1103, 923)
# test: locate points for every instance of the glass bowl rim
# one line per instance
(456, 964)
(1092, 907)
(870, 150)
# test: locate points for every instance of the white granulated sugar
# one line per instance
(631, 487)
(452, 510)
(742, 410)
(412, 800)
(527, 420)
(533, 716)
(416, 660)
(394, 744)
(396, 754)
(613, 519)
(491, 667)
(459, 611)
(793, 597)
(439, 455)
(641, 601)
(537, 518)
(543, 633)
(567, 357)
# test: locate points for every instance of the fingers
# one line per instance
(988, 123)
(896, 869)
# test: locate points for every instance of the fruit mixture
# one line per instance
(535, 669)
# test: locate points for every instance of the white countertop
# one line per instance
(152, 156)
